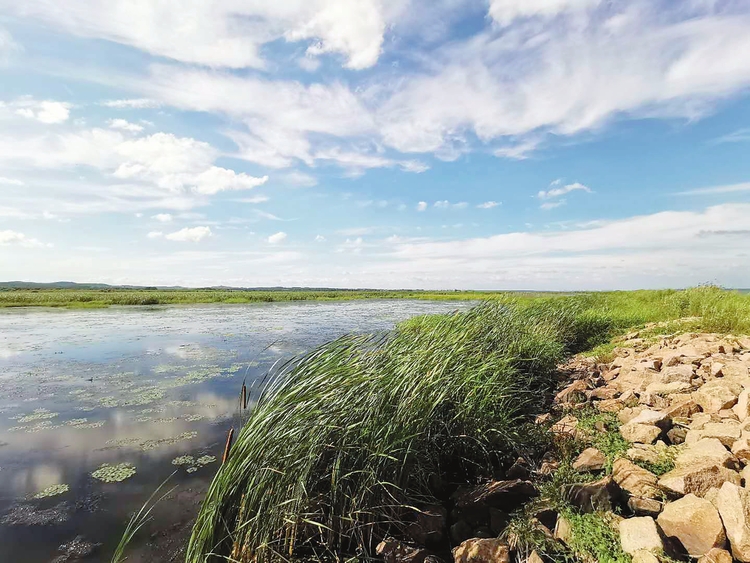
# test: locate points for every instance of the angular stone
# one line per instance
(648, 416)
(742, 408)
(647, 454)
(478, 550)
(563, 530)
(590, 459)
(716, 395)
(729, 414)
(640, 533)
(659, 388)
(429, 525)
(645, 506)
(682, 372)
(699, 420)
(727, 433)
(573, 393)
(741, 448)
(716, 368)
(628, 413)
(705, 453)
(640, 433)
(566, 426)
(536, 558)
(682, 409)
(598, 496)
(735, 370)
(644, 556)
(394, 551)
(695, 523)
(610, 405)
(500, 494)
(604, 393)
(734, 506)
(635, 480)
(716, 555)
(677, 435)
(697, 480)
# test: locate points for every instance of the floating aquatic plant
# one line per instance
(52, 491)
(193, 464)
(184, 460)
(205, 460)
(38, 414)
(114, 473)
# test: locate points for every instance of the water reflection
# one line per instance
(153, 388)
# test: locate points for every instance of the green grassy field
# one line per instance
(77, 298)
(345, 442)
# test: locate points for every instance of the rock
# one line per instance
(592, 497)
(640, 433)
(734, 506)
(644, 453)
(644, 557)
(429, 526)
(729, 414)
(741, 448)
(697, 480)
(705, 453)
(507, 495)
(499, 520)
(565, 427)
(716, 368)
(677, 435)
(682, 409)
(610, 405)
(648, 416)
(536, 558)
(563, 530)
(635, 480)
(645, 506)
(742, 408)
(716, 555)
(659, 388)
(640, 533)
(682, 373)
(394, 551)
(716, 395)
(604, 393)
(482, 551)
(735, 370)
(699, 420)
(543, 418)
(519, 470)
(695, 523)
(590, 459)
(628, 413)
(573, 393)
(726, 432)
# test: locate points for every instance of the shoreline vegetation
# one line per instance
(101, 298)
(371, 438)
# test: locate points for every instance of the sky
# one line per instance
(435, 144)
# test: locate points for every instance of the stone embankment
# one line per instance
(677, 487)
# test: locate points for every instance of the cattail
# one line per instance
(244, 396)
(228, 446)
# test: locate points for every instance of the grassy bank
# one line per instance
(344, 443)
(78, 298)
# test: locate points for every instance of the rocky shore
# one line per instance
(659, 439)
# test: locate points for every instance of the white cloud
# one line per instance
(15, 238)
(422, 206)
(10, 181)
(8, 47)
(488, 205)
(445, 204)
(190, 234)
(557, 192)
(155, 234)
(738, 136)
(163, 217)
(136, 103)
(277, 237)
(320, 238)
(299, 179)
(225, 32)
(254, 199)
(44, 111)
(216, 179)
(125, 125)
(726, 189)
(505, 11)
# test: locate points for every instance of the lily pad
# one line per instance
(52, 491)
(109, 473)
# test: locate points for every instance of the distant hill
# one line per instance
(103, 286)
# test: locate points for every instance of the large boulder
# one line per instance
(635, 432)
(734, 506)
(681, 409)
(727, 432)
(695, 523)
(635, 480)
(716, 555)
(590, 459)
(706, 453)
(429, 525)
(640, 533)
(681, 372)
(697, 479)
(478, 550)
(717, 395)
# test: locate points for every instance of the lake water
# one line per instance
(153, 388)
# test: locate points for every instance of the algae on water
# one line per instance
(114, 473)
(52, 491)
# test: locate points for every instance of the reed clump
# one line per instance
(345, 443)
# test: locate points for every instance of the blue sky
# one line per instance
(441, 144)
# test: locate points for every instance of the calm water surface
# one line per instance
(156, 388)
